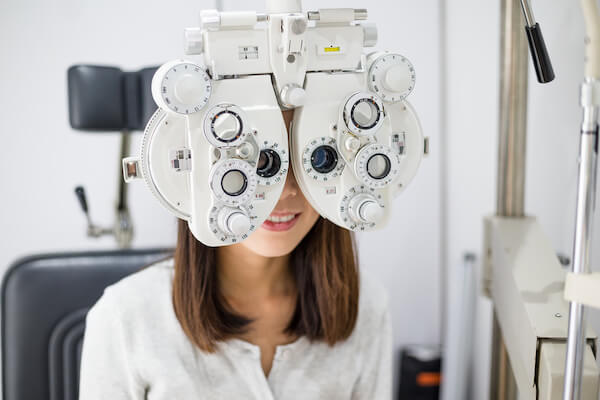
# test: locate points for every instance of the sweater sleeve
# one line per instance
(375, 380)
(106, 365)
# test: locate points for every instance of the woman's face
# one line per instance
(290, 221)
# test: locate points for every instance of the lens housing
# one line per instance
(379, 166)
(234, 182)
(324, 159)
(269, 163)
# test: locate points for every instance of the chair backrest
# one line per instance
(44, 300)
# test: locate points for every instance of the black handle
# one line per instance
(80, 192)
(539, 54)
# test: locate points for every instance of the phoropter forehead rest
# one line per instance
(103, 98)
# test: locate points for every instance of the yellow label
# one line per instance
(331, 49)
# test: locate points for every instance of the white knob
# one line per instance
(234, 221)
(370, 211)
(210, 19)
(365, 209)
(188, 88)
(193, 41)
(369, 34)
(293, 96)
(396, 79)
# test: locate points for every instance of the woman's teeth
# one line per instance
(281, 218)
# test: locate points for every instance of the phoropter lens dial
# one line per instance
(181, 87)
(273, 163)
(363, 113)
(321, 161)
(376, 165)
(268, 164)
(233, 181)
(225, 125)
(324, 159)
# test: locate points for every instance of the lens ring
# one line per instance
(227, 176)
(386, 168)
(239, 131)
(269, 163)
(375, 113)
(324, 159)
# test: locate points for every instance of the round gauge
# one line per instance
(363, 113)
(272, 165)
(361, 208)
(226, 125)
(232, 224)
(233, 181)
(392, 77)
(376, 165)
(181, 87)
(321, 161)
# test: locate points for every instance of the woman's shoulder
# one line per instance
(144, 291)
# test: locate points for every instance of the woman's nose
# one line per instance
(290, 189)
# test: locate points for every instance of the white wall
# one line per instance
(44, 159)
(435, 221)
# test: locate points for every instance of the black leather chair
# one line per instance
(45, 299)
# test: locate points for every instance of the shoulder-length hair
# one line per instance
(325, 268)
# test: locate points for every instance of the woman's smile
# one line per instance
(281, 221)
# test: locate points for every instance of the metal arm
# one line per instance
(537, 46)
(586, 191)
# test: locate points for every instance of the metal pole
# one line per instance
(513, 113)
(511, 162)
(586, 197)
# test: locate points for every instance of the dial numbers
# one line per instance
(185, 88)
(392, 77)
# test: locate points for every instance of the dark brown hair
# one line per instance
(325, 268)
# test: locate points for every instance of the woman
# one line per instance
(277, 316)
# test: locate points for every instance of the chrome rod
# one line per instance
(584, 220)
(510, 192)
(586, 192)
(513, 113)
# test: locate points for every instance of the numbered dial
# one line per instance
(233, 182)
(363, 113)
(376, 165)
(232, 224)
(361, 208)
(226, 125)
(392, 77)
(181, 87)
(272, 165)
(321, 160)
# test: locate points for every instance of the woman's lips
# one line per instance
(280, 226)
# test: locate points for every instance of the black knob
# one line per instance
(80, 192)
(539, 54)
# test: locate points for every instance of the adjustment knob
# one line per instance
(396, 79)
(234, 221)
(365, 209)
(181, 87)
(193, 41)
(391, 76)
(293, 96)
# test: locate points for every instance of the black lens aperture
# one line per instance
(269, 163)
(324, 159)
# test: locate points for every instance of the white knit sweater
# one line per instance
(134, 348)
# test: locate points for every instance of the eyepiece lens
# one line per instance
(365, 113)
(269, 163)
(324, 159)
(234, 182)
(379, 166)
